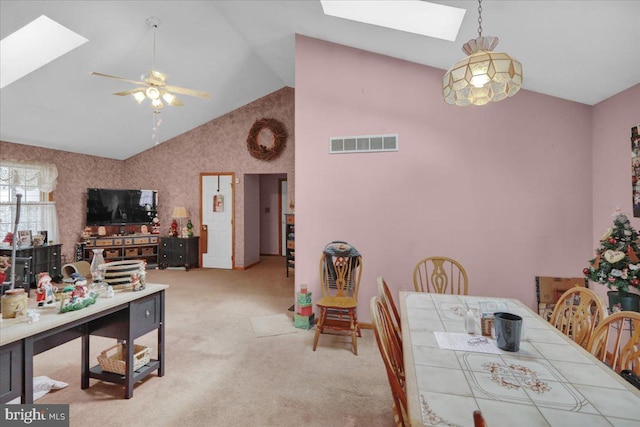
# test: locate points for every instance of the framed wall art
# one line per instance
(24, 238)
(635, 169)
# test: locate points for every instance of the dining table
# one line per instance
(549, 381)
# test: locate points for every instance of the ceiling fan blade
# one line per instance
(130, 91)
(190, 92)
(118, 78)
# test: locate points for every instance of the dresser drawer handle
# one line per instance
(147, 313)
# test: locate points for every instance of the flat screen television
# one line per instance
(120, 207)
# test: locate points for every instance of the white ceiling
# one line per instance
(584, 51)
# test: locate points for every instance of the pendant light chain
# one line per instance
(479, 18)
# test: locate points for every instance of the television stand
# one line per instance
(118, 248)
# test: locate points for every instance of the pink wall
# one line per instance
(611, 130)
(172, 168)
(505, 189)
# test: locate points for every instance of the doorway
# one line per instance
(282, 231)
(216, 219)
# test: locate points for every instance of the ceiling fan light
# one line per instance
(169, 98)
(139, 97)
(152, 93)
(157, 103)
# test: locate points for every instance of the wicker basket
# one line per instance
(116, 363)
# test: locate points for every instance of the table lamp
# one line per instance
(180, 213)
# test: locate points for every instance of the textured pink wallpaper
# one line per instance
(76, 173)
(172, 168)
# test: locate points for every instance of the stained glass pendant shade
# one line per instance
(483, 76)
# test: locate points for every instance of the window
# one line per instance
(35, 182)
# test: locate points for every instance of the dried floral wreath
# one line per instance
(279, 136)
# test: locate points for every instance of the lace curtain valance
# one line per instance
(41, 175)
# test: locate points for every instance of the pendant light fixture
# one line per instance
(483, 76)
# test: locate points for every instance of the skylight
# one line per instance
(34, 45)
(412, 16)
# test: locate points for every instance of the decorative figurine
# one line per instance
(155, 225)
(110, 291)
(4, 265)
(189, 228)
(139, 279)
(46, 291)
(184, 232)
(173, 231)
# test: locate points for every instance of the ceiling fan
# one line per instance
(154, 86)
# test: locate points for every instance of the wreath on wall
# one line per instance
(257, 134)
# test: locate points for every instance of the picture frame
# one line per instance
(24, 238)
(635, 169)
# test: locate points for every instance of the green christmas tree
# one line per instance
(616, 263)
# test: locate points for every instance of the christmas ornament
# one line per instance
(607, 234)
(585, 271)
(633, 257)
(613, 240)
(613, 256)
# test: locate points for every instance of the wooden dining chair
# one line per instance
(478, 419)
(616, 341)
(387, 299)
(340, 274)
(577, 313)
(440, 275)
(391, 352)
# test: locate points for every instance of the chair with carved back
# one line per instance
(577, 313)
(340, 274)
(440, 275)
(391, 351)
(387, 299)
(616, 341)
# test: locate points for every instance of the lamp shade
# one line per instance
(179, 212)
(483, 76)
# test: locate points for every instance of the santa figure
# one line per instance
(46, 291)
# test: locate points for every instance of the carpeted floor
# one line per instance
(219, 372)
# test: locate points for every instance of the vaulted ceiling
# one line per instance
(239, 51)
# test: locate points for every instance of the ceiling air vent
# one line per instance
(363, 144)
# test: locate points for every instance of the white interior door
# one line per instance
(217, 217)
(283, 210)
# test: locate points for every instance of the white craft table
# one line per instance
(126, 316)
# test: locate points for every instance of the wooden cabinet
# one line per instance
(11, 368)
(290, 255)
(47, 258)
(118, 248)
(179, 252)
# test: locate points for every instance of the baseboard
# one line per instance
(245, 267)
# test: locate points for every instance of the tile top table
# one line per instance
(550, 381)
